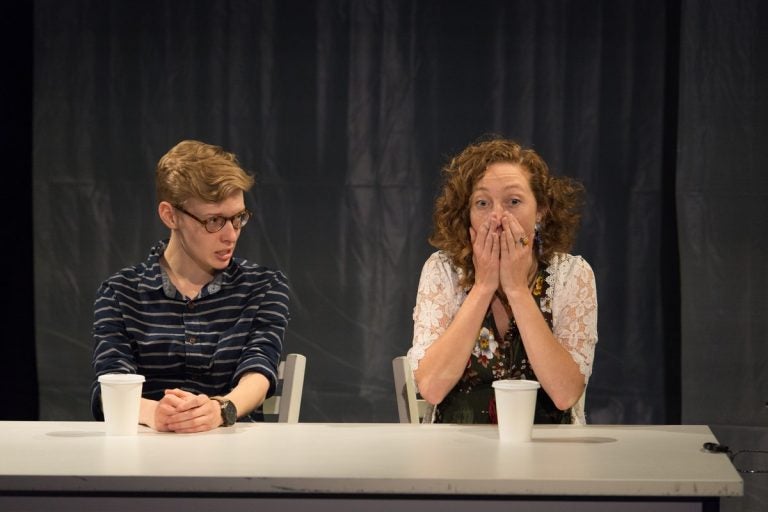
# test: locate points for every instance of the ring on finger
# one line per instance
(524, 240)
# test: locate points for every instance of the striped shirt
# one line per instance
(143, 325)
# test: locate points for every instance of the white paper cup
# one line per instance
(120, 400)
(515, 408)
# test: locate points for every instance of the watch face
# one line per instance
(228, 413)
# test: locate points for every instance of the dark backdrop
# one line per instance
(346, 110)
(722, 183)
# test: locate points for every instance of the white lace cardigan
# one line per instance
(571, 297)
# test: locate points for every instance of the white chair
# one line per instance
(410, 407)
(284, 406)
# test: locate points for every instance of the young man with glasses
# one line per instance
(204, 328)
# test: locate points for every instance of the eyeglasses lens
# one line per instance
(215, 224)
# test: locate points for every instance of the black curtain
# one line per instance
(18, 369)
(345, 111)
(722, 185)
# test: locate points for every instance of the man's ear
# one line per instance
(167, 214)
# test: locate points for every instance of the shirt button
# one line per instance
(191, 340)
(190, 304)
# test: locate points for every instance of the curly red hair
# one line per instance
(559, 201)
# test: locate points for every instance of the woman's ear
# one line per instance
(167, 214)
(541, 214)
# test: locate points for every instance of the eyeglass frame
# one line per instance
(231, 219)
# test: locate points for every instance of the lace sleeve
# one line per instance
(437, 301)
(574, 310)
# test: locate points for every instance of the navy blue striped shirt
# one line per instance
(143, 325)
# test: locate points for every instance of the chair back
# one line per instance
(284, 406)
(410, 407)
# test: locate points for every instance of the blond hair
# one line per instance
(194, 169)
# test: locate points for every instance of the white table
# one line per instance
(271, 466)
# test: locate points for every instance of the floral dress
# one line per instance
(497, 357)
(566, 294)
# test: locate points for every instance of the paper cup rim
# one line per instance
(121, 378)
(516, 384)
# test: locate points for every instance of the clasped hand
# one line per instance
(185, 412)
(500, 259)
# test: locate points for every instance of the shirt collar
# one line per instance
(155, 270)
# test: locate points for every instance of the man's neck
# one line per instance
(186, 274)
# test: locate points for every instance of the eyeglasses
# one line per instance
(217, 222)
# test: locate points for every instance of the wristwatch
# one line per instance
(228, 411)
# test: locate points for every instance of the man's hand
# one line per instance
(184, 412)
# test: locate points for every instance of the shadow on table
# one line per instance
(581, 440)
(76, 433)
(493, 434)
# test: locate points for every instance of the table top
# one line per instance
(367, 458)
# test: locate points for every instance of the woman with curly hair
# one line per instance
(502, 298)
